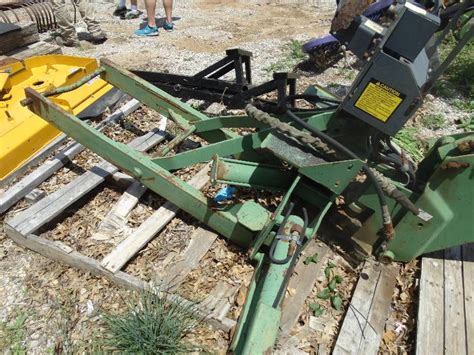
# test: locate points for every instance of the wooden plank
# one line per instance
(33, 218)
(201, 241)
(121, 179)
(454, 320)
(379, 310)
(301, 282)
(29, 182)
(35, 49)
(64, 254)
(4, 60)
(116, 218)
(431, 298)
(363, 325)
(220, 299)
(18, 38)
(468, 278)
(148, 229)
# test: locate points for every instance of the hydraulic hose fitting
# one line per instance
(388, 229)
(295, 235)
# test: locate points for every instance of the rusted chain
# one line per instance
(291, 131)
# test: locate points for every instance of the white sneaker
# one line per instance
(132, 14)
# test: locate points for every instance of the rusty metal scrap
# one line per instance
(454, 165)
(466, 146)
(38, 11)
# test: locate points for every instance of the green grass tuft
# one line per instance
(466, 105)
(152, 325)
(296, 50)
(407, 139)
(433, 121)
(460, 74)
(13, 334)
(293, 54)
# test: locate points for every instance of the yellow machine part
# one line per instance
(22, 133)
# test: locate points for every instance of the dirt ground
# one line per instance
(49, 308)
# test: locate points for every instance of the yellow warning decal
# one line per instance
(379, 100)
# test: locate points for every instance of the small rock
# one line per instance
(236, 112)
(216, 109)
(90, 309)
(196, 104)
(35, 344)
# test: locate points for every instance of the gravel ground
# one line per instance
(203, 31)
(50, 308)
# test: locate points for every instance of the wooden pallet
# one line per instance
(361, 331)
(445, 323)
(23, 226)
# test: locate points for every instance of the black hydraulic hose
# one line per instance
(289, 271)
(389, 160)
(272, 251)
(305, 222)
(275, 240)
(410, 164)
(390, 144)
(399, 166)
(387, 219)
(396, 161)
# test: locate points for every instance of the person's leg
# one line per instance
(121, 8)
(150, 29)
(168, 5)
(150, 6)
(67, 32)
(93, 26)
(133, 12)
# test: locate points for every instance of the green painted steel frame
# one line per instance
(249, 224)
(150, 174)
(232, 221)
(246, 224)
(250, 174)
(447, 195)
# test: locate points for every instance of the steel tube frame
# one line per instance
(144, 169)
